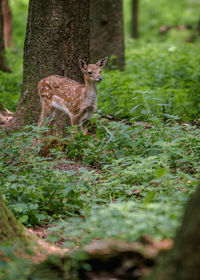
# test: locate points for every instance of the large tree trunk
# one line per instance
(135, 15)
(106, 31)
(57, 36)
(3, 64)
(7, 18)
(183, 262)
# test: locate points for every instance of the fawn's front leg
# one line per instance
(75, 120)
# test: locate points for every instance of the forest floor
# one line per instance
(135, 259)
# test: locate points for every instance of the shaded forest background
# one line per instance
(181, 21)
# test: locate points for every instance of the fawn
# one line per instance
(59, 94)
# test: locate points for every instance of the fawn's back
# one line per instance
(57, 89)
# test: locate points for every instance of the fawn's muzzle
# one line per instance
(99, 79)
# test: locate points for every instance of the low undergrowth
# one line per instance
(160, 80)
(139, 181)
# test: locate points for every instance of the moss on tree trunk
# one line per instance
(57, 35)
(10, 228)
(106, 31)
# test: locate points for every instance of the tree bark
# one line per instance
(57, 36)
(135, 16)
(183, 261)
(106, 31)
(3, 64)
(7, 18)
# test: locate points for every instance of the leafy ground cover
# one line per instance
(139, 181)
(160, 80)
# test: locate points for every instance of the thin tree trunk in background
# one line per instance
(7, 18)
(57, 36)
(135, 21)
(198, 27)
(106, 31)
(183, 262)
(3, 64)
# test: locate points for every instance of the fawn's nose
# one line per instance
(99, 79)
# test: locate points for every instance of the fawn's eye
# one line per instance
(89, 72)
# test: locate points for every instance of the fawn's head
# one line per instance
(92, 72)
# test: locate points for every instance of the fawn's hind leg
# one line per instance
(46, 112)
(55, 114)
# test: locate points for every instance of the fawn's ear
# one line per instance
(83, 65)
(102, 62)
